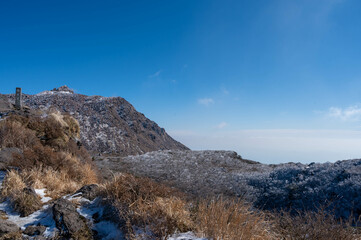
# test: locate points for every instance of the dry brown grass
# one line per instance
(222, 219)
(12, 236)
(14, 134)
(60, 172)
(57, 182)
(50, 158)
(319, 225)
(145, 203)
(60, 132)
(22, 201)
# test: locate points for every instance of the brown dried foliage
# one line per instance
(145, 203)
(319, 225)
(22, 201)
(50, 158)
(231, 219)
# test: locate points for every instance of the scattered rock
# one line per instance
(7, 227)
(68, 220)
(89, 191)
(34, 230)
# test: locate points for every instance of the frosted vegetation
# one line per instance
(333, 186)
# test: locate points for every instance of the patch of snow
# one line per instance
(44, 216)
(41, 193)
(108, 231)
(74, 196)
(185, 236)
(105, 229)
(52, 92)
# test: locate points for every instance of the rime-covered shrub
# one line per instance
(309, 187)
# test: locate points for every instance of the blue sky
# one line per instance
(274, 80)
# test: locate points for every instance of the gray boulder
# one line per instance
(34, 230)
(68, 220)
(89, 191)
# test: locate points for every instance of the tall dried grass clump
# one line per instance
(60, 172)
(14, 134)
(17, 192)
(58, 131)
(152, 206)
(319, 225)
(56, 182)
(148, 205)
(222, 219)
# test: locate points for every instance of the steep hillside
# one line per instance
(108, 124)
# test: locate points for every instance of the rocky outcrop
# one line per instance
(34, 230)
(68, 220)
(107, 124)
(89, 191)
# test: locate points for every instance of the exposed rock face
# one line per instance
(67, 219)
(89, 191)
(108, 124)
(34, 230)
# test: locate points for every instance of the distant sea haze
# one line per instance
(279, 145)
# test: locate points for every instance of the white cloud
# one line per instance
(205, 101)
(352, 113)
(278, 145)
(222, 125)
(156, 74)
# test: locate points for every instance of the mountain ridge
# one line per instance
(109, 125)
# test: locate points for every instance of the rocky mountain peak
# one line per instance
(64, 88)
(61, 90)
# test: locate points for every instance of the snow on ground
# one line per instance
(52, 92)
(106, 230)
(41, 193)
(185, 236)
(44, 216)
